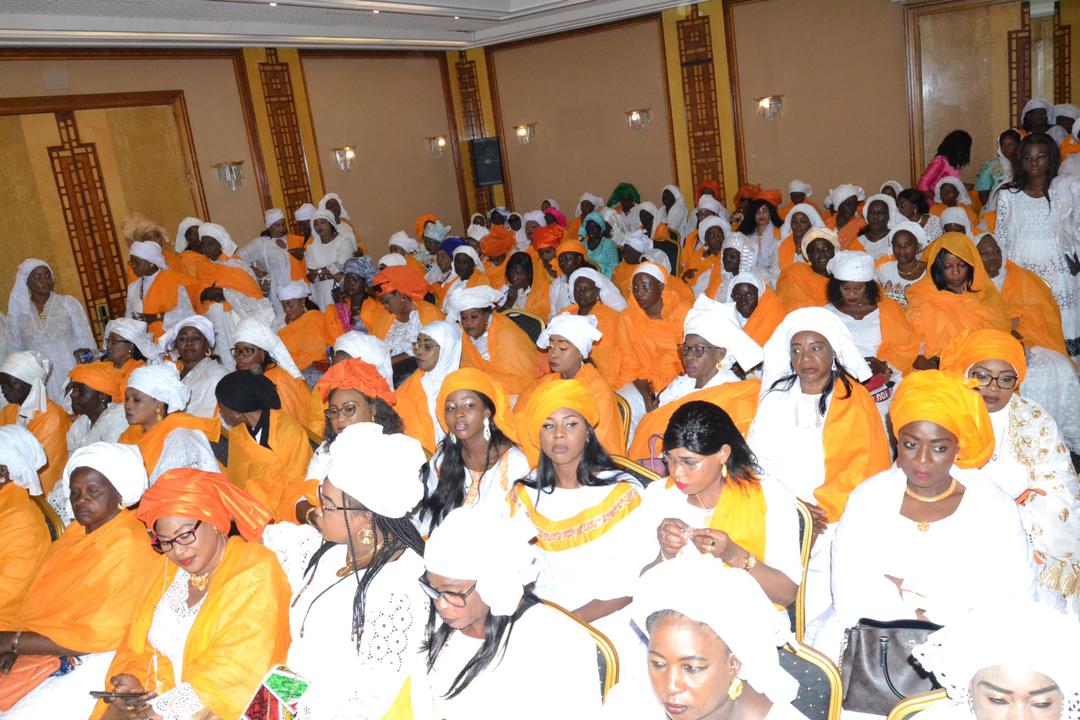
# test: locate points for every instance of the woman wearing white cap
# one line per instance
(46, 322)
(737, 254)
(950, 192)
(637, 248)
(846, 221)
(325, 256)
(673, 212)
(892, 188)
(492, 634)
(22, 382)
(713, 231)
(799, 193)
(468, 271)
(954, 219)
(595, 295)
(693, 243)
(332, 203)
(258, 349)
(191, 344)
(24, 536)
(305, 334)
(881, 216)
(159, 296)
(187, 247)
(903, 268)
(357, 614)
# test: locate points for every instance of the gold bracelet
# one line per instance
(307, 515)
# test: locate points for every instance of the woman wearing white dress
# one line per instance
(325, 256)
(357, 615)
(41, 320)
(903, 268)
(96, 392)
(191, 343)
(490, 633)
(881, 216)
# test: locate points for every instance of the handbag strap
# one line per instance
(652, 438)
(883, 655)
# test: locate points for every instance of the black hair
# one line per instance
(136, 354)
(594, 460)
(956, 148)
(748, 226)
(937, 270)
(497, 630)
(450, 490)
(839, 372)
(916, 198)
(832, 292)
(382, 414)
(1020, 176)
(704, 428)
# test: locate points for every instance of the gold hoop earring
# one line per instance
(119, 504)
(735, 689)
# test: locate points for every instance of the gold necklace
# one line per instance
(352, 566)
(200, 582)
(923, 525)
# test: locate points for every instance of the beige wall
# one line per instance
(577, 90)
(841, 69)
(385, 107)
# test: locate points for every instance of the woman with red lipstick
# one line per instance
(915, 542)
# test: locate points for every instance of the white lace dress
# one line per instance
(185, 448)
(202, 380)
(64, 329)
(401, 335)
(168, 633)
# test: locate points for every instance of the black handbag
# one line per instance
(877, 666)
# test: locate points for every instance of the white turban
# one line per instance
(368, 348)
(806, 209)
(382, 472)
(963, 199)
(747, 249)
(33, 369)
(819, 320)
(535, 216)
(402, 240)
(843, 192)
(1066, 110)
(821, 233)
(461, 299)
(253, 332)
(580, 330)
(161, 382)
(597, 202)
(471, 252)
(798, 186)
(609, 293)
(228, 247)
(956, 216)
(718, 324)
(391, 260)
(134, 331)
(435, 230)
(894, 214)
(199, 322)
(635, 213)
(150, 252)
(915, 229)
(710, 222)
(304, 212)
(1035, 104)
(23, 455)
(120, 463)
(852, 266)
(324, 214)
(745, 620)
(181, 232)
(19, 302)
(271, 216)
(745, 278)
(295, 290)
(897, 187)
(639, 241)
(652, 270)
(478, 232)
(708, 202)
(470, 544)
(334, 196)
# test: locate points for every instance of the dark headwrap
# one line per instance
(449, 245)
(242, 391)
(621, 189)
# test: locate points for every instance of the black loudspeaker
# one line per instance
(486, 161)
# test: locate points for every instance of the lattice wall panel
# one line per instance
(285, 134)
(1062, 58)
(699, 98)
(89, 223)
(1020, 65)
(472, 113)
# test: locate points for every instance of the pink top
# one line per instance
(938, 168)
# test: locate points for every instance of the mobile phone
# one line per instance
(109, 697)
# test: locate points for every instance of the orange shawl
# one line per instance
(1030, 300)
(306, 338)
(152, 442)
(241, 631)
(849, 234)
(86, 590)
(274, 476)
(786, 253)
(295, 398)
(799, 286)
(226, 276)
(372, 313)
(648, 346)
(297, 268)
(855, 447)
(440, 290)
(768, 314)
(50, 428)
(190, 263)
(161, 297)
(24, 541)
(412, 407)
(609, 429)
(622, 277)
(899, 342)
(605, 353)
(690, 257)
(515, 362)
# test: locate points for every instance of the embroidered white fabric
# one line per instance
(226, 322)
(202, 381)
(64, 330)
(168, 634)
(185, 448)
(1052, 382)
(110, 425)
(401, 335)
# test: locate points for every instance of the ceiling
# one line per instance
(423, 24)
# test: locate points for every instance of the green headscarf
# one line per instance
(621, 189)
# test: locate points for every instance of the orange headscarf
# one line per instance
(771, 196)
(571, 246)
(421, 223)
(101, 376)
(747, 191)
(933, 396)
(717, 191)
(358, 375)
(403, 279)
(478, 381)
(205, 496)
(971, 348)
(498, 241)
(547, 236)
(546, 399)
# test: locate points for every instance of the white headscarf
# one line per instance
(228, 247)
(120, 463)
(390, 482)
(295, 290)
(894, 214)
(552, 202)
(718, 324)
(253, 332)
(470, 544)
(915, 229)
(747, 249)
(708, 202)
(597, 202)
(271, 216)
(806, 209)
(161, 382)
(150, 252)
(798, 186)
(470, 251)
(710, 222)
(897, 187)
(852, 266)
(134, 331)
(652, 270)
(199, 322)
(537, 217)
(635, 214)
(963, 199)
(1066, 110)
(463, 298)
(435, 230)
(23, 455)
(448, 337)
(609, 293)
(391, 260)
(334, 196)
(181, 232)
(324, 214)
(747, 278)
(819, 320)
(1035, 104)
(368, 348)
(580, 330)
(843, 192)
(402, 240)
(821, 233)
(478, 233)
(745, 621)
(33, 369)
(304, 212)
(639, 241)
(19, 302)
(956, 216)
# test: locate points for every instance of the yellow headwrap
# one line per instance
(933, 396)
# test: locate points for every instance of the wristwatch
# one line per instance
(751, 562)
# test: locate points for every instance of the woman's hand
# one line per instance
(924, 363)
(7, 661)
(645, 388)
(820, 520)
(297, 253)
(673, 535)
(715, 543)
(878, 366)
(136, 706)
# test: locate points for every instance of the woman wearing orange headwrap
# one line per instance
(95, 391)
(914, 543)
(241, 628)
(494, 248)
(570, 255)
(545, 239)
(401, 291)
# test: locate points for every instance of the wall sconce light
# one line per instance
(230, 173)
(525, 133)
(435, 145)
(769, 106)
(639, 119)
(344, 156)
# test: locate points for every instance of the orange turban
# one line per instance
(717, 191)
(206, 496)
(968, 349)
(547, 398)
(933, 396)
(547, 236)
(747, 191)
(101, 376)
(355, 374)
(773, 197)
(403, 279)
(421, 223)
(498, 241)
(478, 381)
(571, 246)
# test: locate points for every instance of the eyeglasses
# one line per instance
(454, 599)
(184, 538)
(346, 410)
(1004, 382)
(695, 351)
(425, 345)
(328, 505)
(118, 341)
(243, 352)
